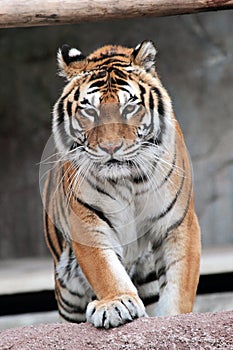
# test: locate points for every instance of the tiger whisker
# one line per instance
(62, 178)
(167, 165)
(80, 175)
(63, 158)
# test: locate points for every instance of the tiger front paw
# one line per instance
(114, 312)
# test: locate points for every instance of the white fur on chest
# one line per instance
(130, 214)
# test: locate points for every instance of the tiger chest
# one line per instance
(132, 211)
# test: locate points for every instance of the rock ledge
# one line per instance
(191, 331)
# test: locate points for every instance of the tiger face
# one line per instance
(112, 115)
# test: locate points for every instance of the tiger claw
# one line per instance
(108, 313)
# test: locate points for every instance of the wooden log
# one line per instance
(25, 13)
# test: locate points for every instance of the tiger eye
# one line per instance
(129, 109)
(91, 112)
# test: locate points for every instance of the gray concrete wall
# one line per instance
(195, 64)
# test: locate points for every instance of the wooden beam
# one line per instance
(26, 13)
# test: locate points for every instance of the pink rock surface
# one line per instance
(190, 332)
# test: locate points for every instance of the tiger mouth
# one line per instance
(114, 161)
(119, 162)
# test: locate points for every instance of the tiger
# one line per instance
(119, 212)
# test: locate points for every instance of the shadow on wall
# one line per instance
(195, 64)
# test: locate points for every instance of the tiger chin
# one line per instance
(119, 214)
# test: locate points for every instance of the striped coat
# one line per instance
(119, 212)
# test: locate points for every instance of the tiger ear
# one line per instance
(144, 55)
(66, 58)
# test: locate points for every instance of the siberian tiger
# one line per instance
(119, 212)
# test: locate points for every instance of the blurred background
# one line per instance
(194, 61)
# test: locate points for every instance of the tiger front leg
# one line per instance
(179, 275)
(118, 301)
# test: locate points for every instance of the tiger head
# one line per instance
(114, 115)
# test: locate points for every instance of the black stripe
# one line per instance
(98, 75)
(75, 309)
(150, 300)
(160, 101)
(162, 271)
(60, 111)
(99, 189)
(128, 147)
(161, 115)
(158, 244)
(93, 91)
(69, 108)
(98, 84)
(47, 199)
(69, 319)
(85, 101)
(151, 104)
(76, 94)
(120, 81)
(57, 214)
(65, 304)
(104, 56)
(117, 64)
(96, 210)
(76, 294)
(170, 171)
(106, 64)
(179, 221)
(151, 277)
(113, 184)
(142, 93)
(62, 200)
(141, 178)
(120, 73)
(163, 285)
(60, 238)
(171, 205)
(50, 242)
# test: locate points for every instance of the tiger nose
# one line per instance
(110, 147)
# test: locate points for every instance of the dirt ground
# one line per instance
(190, 332)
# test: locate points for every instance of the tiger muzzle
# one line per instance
(111, 147)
